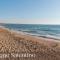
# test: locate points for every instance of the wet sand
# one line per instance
(43, 48)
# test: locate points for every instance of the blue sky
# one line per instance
(30, 11)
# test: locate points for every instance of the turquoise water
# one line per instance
(47, 31)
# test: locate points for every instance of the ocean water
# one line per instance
(46, 31)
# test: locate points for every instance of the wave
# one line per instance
(43, 34)
(47, 31)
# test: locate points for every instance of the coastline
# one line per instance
(30, 37)
(34, 36)
(13, 41)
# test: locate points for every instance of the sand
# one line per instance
(43, 48)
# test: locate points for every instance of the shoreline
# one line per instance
(15, 42)
(23, 35)
(27, 34)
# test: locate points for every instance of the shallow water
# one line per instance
(51, 31)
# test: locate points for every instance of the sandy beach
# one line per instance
(43, 48)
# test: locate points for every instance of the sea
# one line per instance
(39, 30)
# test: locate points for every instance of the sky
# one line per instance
(30, 11)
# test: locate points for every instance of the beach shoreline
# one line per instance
(12, 41)
(26, 34)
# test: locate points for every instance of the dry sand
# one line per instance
(43, 48)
